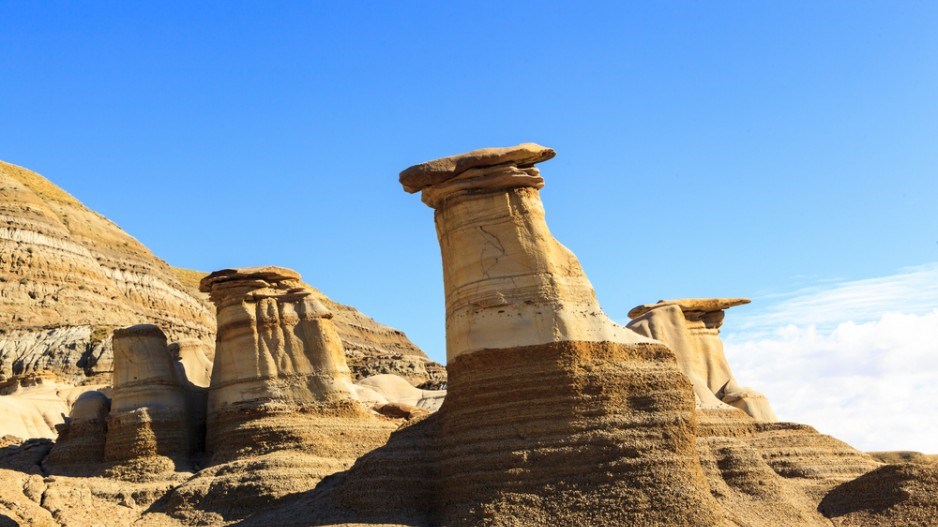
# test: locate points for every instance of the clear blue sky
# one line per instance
(704, 148)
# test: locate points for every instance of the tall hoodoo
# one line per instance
(508, 281)
(149, 415)
(542, 385)
(691, 328)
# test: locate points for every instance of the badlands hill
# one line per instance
(554, 414)
(69, 277)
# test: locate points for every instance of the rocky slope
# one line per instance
(69, 277)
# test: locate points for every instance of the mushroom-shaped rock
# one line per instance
(419, 177)
(543, 386)
(280, 378)
(508, 281)
(691, 328)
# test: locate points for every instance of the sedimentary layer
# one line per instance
(69, 276)
(590, 433)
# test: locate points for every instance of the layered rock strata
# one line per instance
(69, 276)
(149, 415)
(281, 400)
(276, 347)
(79, 447)
(691, 328)
(772, 474)
(594, 423)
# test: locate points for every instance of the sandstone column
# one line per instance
(148, 417)
(280, 379)
(508, 281)
(691, 328)
(553, 413)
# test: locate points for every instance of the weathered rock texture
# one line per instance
(542, 385)
(691, 328)
(508, 281)
(277, 347)
(385, 388)
(557, 416)
(33, 405)
(69, 276)
(554, 414)
(283, 412)
(79, 447)
(149, 415)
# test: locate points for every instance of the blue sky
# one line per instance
(704, 149)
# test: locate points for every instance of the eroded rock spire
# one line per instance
(508, 281)
(552, 409)
(149, 418)
(277, 350)
(691, 328)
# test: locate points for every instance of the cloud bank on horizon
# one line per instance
(856, 359)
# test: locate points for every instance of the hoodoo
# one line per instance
(149, 409)
(79, 448)
(283, 412)
(508, 282)
(542, 385)
(277, 352)
(691, 328)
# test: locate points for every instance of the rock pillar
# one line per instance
(79, 448)
(280, 379)
(553, 414)
(148, 417)
(691, 328)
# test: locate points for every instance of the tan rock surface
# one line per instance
(904, 456)
(149, 418)
(192, 362)
(79, 447)
(905, 494)
(508, 281)
(276, 345)
(283, 412)
(542, 428)
(386, 388)
(69, 276)
(529, 353)
(691, 328)
(419, 177)
(32, 406)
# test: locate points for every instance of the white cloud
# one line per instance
(857, 360)
(911, 290)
